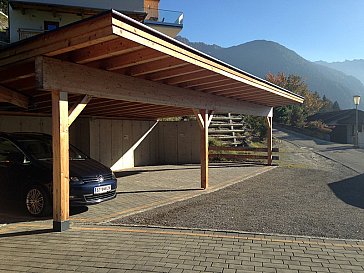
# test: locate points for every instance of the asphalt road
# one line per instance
(345, 154)
(308, 194)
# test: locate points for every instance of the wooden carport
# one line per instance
(112, 66)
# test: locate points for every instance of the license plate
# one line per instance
(102, 189)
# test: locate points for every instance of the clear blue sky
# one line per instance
(329, 30)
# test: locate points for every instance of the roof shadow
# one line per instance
(350, 190)
(12, 211)
(24, 233)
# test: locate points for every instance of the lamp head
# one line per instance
(356, 99)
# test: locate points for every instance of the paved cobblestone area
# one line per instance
(144, 188)
(32, 248)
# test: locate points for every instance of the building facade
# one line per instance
(31, 17)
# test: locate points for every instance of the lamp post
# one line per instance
(356, 102)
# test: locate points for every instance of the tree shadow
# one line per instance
(350, 190)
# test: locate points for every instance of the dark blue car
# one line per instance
(26, 173)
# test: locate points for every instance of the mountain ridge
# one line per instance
(353, 68)
(261, 57)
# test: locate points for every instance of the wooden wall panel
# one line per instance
(137, 134)
(184, 140)
(78, 137)
(95, 139)
(105, 142)
(154, 144)
(108, 140)
(117, 140)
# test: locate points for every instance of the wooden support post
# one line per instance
(270, 140)
(60, 140)
(204, 118)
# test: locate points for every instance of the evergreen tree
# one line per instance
(336, 106)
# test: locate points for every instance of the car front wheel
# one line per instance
(37, 201)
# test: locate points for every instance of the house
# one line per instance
(30, 17)
(108, 79)
(343, 123)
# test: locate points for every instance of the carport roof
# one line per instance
(114, 42)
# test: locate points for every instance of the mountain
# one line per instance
(353, 68)
(261, 57)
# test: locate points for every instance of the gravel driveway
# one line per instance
(306, 195)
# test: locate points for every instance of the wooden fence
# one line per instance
(236, 153)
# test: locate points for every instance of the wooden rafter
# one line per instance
(13, 97)
(156, 66)
(217, 80)
(17, 72)
(104, 50)
(190, 77)
(174, 73)
(138, 57)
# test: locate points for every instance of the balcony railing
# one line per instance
(164, 17)
(28, 32)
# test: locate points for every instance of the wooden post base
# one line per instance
(61, 226)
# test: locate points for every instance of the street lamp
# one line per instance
(356, 102)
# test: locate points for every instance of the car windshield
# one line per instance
(41, 149)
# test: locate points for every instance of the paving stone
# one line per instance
(162, 250)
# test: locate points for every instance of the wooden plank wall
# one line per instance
(179, 142)
(109, 140)
(112, 142)
(44, 125)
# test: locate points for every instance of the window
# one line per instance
(49, 25)
(8, 151)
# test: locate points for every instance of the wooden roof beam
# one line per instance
(221, 90)
(17, 72)
(138, 57)
(205, 85)
(174, 73)
(53, 74)
(155, 66)
(140, 111)
(191, 77)
(239, 91)
(104, 50)
(13, 97)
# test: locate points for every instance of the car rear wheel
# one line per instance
(37, 201)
